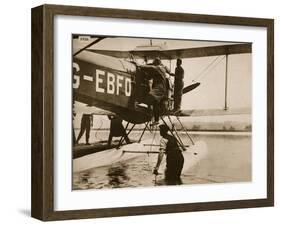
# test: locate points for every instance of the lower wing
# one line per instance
(213, 112)
(91, 110)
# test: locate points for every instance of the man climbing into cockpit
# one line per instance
(156, 73)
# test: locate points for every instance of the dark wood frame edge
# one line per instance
(42, 197)
(37, 113)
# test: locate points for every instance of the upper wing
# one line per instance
(208, 51)
(113, 53)
(180, 53)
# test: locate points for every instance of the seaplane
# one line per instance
(111, 82)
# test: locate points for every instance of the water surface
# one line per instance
(228, 160)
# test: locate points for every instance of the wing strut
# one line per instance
(146, 124)
(225, 85)
(171, 131)
(176, 132)
(127, 134)
(185, 130)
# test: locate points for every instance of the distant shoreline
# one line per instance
(217, 132)
(189, 131)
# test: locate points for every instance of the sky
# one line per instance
(210, 93)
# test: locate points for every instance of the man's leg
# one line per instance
(173, 170)
(177, 97)
(88, 129)
(179, 169)
(82, 130)
(109, 139)
(156, 111)
(177, 101)
(170, 176)
(73, 137)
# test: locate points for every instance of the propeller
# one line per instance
(190, 87)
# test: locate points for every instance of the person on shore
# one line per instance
(86, 124)
(178, 86)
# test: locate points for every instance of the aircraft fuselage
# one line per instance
(108, 83)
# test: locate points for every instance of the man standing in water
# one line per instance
(174, 157)
(86, 123)
(179, 75)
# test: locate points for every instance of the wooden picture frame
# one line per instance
(43, 112)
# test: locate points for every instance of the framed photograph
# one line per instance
(141, 112)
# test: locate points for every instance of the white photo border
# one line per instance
(66, 199)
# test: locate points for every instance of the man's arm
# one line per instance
(150, 83)
(159, 160)
(163, 145)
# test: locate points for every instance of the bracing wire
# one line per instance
(150, 149)
(214, 66)
(205, 69)
(154, 135)
(209, 68)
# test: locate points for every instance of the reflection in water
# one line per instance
(117, 175)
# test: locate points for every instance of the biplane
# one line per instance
(113, 81)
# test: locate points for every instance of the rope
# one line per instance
(97, 130)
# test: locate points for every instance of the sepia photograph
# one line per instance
(160, 112)
(149, 112)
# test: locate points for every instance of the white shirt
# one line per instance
(163, 145)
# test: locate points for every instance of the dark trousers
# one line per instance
(173, 170)
(178, 96)
(73, 136)
(156, 111)
(152, 101)
(85, 126)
